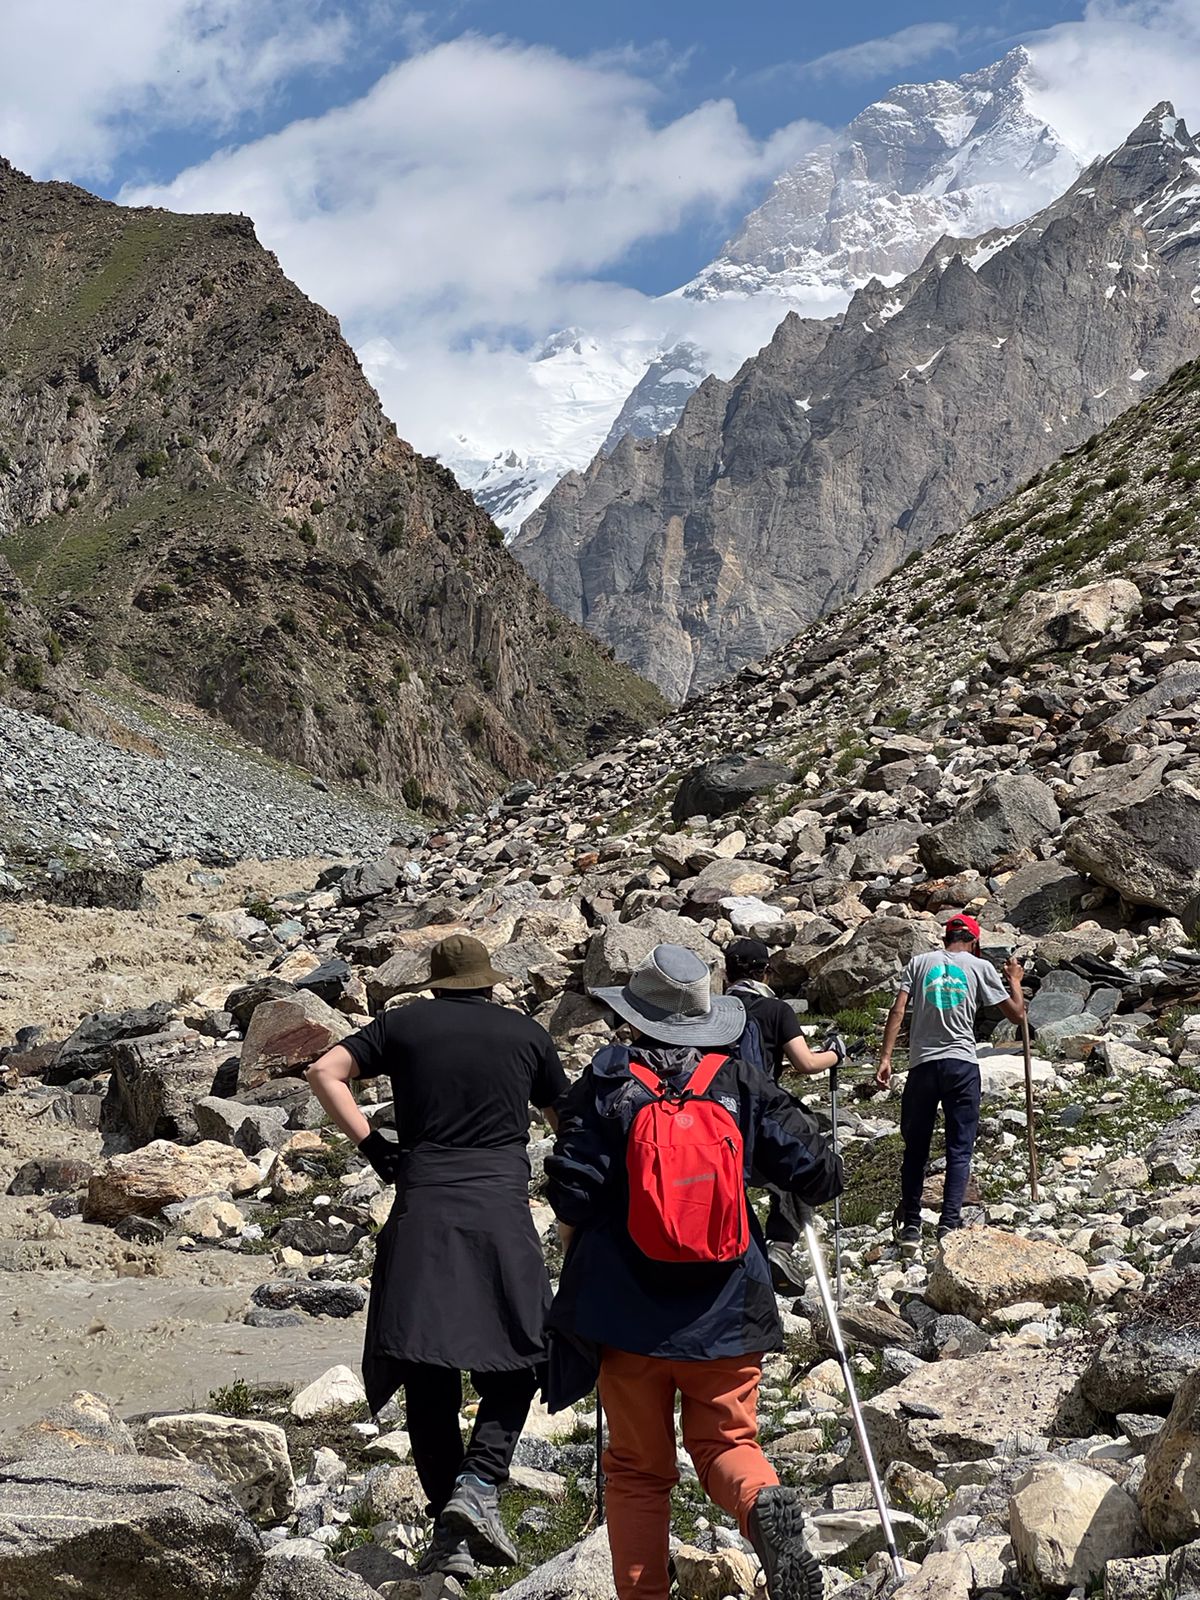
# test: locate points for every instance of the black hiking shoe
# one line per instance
(448, 1554)
(473, 1513)
(907, 1235)
(776, 1531)
(945, 1227)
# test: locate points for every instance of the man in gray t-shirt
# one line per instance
(945, 989)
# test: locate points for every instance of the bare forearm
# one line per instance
(337, 1098)
(804, 1059)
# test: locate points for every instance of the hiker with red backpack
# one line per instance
(774, 1040)
(665, 1280)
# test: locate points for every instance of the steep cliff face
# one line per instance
(198, 488)
(843, 447)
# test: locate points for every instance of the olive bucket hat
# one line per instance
(460, 962)
(669, 999)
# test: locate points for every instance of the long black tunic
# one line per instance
(459, 1277)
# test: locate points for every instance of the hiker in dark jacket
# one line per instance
(460, 1281)
(699, 1330)
(784, 1046)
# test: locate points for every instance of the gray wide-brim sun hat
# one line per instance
(669, 999)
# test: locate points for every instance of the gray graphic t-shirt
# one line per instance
(946, 989)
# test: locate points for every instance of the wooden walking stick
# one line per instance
(1029, 1133)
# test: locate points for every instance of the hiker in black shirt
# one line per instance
(460, 1282)
(784, 1046)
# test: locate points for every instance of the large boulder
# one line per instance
(51, 1174)
(1145, 1360)
(1001, 1402)
(251, 1457)
(721, 880)
(1038, 896)
(309, 1577)
(143, 1182)
(1011, 813)
(155, 1083)
(1149, 852)
(87, 1051)
(285, 1036)
(109, 1527)
(1044, 621)
(720, 786)
(1169, 1494)
(616, 949)
(84, 1422)
(979, 1270)
(584, 1572)
(1067, 1521)
(369, 881)
(248, 1128)
(1178, 684)
(871, 959)
(337, 1389)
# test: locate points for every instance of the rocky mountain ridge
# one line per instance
(960, 156)
(836, 453)
(1011, 726)
(199, 492)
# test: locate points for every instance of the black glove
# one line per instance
(837, 1044)
(383, 1154)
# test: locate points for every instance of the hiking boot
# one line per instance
(945, 1227)
(907, 1235)
(787, 1268)
(448, 1554)
(776, 1530)
(473, 1513)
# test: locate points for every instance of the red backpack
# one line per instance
(685, 1157)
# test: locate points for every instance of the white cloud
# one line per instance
(875, 58)
(470, 202)
(82, 80)
(1101, 74)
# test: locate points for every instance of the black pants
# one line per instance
(779, 1227)
(953, 1085)
(433, 1398)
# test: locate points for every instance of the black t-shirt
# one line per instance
(464, 1071)
(777, 1025)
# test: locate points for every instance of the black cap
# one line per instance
(746, 955)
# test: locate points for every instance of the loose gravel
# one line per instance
(199, 799)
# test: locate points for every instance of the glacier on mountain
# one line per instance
(962, 157)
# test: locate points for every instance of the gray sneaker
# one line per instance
(787, 1268)
(776, 1531)
(473, 1513)
(448, 1554)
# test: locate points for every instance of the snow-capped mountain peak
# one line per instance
(958, 157)
(963, 157)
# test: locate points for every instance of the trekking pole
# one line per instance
(1029, 1133)
(860, 1425)
(837, 1200)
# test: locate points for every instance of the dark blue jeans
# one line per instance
(953, 1085)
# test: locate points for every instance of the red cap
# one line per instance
(961, 923)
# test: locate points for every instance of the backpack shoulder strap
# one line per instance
(701, 1080)
(648, 1080)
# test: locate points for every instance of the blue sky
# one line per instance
(766, 56)
(458, 184)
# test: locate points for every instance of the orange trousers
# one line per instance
(720, 1433)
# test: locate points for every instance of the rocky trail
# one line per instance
(1010, 725)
